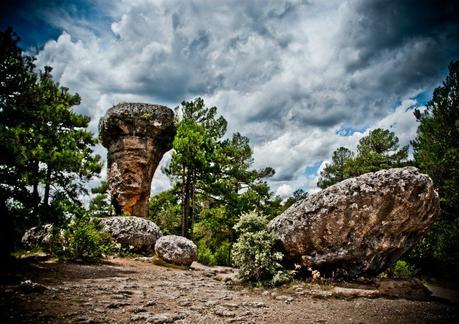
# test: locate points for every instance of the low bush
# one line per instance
(402, 269)
(210, 257)
(255, 255)
(205, 255)
(82, 241)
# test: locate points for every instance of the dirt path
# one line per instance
(126, 290)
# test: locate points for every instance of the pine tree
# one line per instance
(46, 149)
(436, 152)
(376, 151)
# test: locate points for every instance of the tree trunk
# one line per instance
(185, 204)
(35, 193)
(193, 184)
(47, 187)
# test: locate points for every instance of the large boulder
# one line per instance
(359, 226)
(177, 250)
(39, 236)
(135, 233)
(136, 136)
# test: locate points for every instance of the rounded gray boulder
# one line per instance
(177, 250)
(39, 236)
(135, 233)
(359, 226)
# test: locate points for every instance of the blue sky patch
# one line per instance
(424, 97)
(348, 131)
(32, 19)
(312, 169)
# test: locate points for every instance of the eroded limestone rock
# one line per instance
(136, 136)
(176, 250)
(133, 233)
(39, 236)
(359, 226)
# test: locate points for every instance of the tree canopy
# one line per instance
(376, 151)
(213, 181)
(46, 149)
(436, 152)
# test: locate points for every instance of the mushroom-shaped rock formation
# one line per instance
(359, 226)
(136, 136)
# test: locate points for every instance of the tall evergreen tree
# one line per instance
(298, 195)
(17, 82)
(215, 180)
(379, 150)
(46, 150)
(436, 152)
(376, 151)
(338, 169)
(198, 131)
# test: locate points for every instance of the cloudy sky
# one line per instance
(299, 78)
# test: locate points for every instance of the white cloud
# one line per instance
(284, 190)
(402, 121)
(288, 74)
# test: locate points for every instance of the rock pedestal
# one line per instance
(359, 226)
(136, 136)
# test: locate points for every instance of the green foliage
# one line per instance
(338, 170)
(251, 223)
(100, 205)
(376, 151)
(213, 183)
(213, 231)
(205, 255)
(198, 131)
(82, 241)
(254, 252)
(298, 195)
(379, 150)
(164, 210)
(436, 152)
(220, 255)
(402, 269)
(46, 151)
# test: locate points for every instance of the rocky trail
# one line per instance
(124, 290)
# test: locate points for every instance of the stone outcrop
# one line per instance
(39, 236)
(133, 233)
(177, 250)
(359, 226)
(136, 136)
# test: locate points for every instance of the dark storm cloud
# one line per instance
(380, 26)
(288, 74)
(36, 20)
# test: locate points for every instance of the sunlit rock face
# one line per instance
(136, 135)
(359, 226)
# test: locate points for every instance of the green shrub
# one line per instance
(251, 222)
(82, 241)
(205, 255)
(402, 269)
(254, 253)
(222, 253)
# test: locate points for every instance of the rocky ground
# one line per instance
(126, 290)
